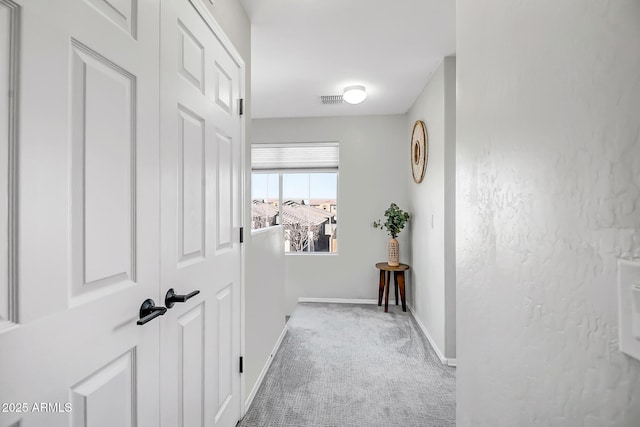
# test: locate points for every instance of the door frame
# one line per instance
(207, 16)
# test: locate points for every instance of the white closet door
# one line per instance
(79, 212)
(200, 210)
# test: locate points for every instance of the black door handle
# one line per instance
(149, 311)
(171, 298)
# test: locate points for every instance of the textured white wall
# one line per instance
(374, 168)
(264, 301)
(548, 174)
(432, 294)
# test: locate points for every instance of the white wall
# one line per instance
(432, 203)
(548, 173)
(264, 301)
(374, 168)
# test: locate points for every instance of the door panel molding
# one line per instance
(223, 89)
(122, 13)
(10, 28)
(224, 217)
(103, 116)
(192, 58)
(191, 186)
(191, 365)
(224, 329)
(108, 396)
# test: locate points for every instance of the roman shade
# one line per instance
(308, 156)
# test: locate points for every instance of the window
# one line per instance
(309, 212)
(265, 200)
(296, 186)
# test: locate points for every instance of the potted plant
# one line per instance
(396, 219)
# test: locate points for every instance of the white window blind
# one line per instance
(295, 156)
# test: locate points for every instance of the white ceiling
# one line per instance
(302, 49)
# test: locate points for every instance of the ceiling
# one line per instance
(302, 49)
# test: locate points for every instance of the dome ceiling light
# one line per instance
(354, 94)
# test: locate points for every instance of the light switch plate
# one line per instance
(629, 307)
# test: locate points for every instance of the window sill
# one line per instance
(266, 229)
(311, 253)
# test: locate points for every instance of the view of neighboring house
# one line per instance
(309, 225)
(264, 213)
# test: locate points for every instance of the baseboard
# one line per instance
(340, 300)
(267, 364)
(444, 360)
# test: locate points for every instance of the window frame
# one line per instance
(267, 172)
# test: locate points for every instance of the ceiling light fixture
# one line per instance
(354, 94)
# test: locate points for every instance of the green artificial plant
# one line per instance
(396, 219)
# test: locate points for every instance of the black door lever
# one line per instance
(149, 311)
(171, 298)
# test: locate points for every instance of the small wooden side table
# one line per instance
(398, 278)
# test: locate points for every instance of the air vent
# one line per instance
(331, 99)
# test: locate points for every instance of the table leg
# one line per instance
(386, 291)
(380, 288)
(395, 283)
(400, 281)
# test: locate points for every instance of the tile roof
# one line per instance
(263, 209)
(293, 212)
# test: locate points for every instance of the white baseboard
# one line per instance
(444, 360)
(340, 300)
(256, 386)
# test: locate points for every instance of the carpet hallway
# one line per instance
(356, 366)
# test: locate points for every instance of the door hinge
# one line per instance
(241, 234)
(241, 106)
(241, 365)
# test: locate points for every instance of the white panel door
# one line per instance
(79, 212)
(200, 211)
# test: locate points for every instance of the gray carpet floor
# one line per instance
(354, 365)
